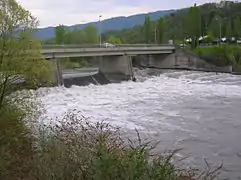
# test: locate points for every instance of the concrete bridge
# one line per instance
(58, 51)
(114, 61)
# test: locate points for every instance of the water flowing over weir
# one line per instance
(197, 111)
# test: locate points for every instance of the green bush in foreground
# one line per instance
(76, 149)
(16, 151)
(81, 150)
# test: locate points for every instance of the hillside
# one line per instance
(117, 23)
(179, 23)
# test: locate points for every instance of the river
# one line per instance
(197, 111)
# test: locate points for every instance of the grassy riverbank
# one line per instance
(223, 55)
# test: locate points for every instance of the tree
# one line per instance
(114, 40)
(147, 29)
(90, 35)
(20, 57)
(76, 36)
(229, 29)
(160, 30)
(193, 28)
(60, 33)
(237, 26)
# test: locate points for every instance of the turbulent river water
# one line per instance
(197, 111)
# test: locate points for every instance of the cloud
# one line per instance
(69, 12)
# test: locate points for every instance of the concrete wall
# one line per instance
(163, 61)
(182, 59)
(96, 79)
(58, 74)
(116, 66)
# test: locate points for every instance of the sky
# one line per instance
(70, 12)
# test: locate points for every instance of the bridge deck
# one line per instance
(74, 51)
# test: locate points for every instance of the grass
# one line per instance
(223, 55)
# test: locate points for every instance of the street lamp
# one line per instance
(100, 29)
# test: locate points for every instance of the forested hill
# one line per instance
(117, 23)
(201, 20)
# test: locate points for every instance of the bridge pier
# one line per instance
(58, 75)
(163, 60)
(117, 68)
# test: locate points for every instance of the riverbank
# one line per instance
(220, 55)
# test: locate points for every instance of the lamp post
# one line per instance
(100, 38)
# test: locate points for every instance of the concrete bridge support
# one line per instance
(117, 68)
(163, 60)
(58, 75)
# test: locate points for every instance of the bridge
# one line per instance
(113, 60)
(61, 51)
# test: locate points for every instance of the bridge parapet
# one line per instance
(58, 46)
(70, 51)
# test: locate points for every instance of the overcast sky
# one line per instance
(69, 12)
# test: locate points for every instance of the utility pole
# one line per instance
(100, 38)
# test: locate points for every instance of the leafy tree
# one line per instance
(229, 29)
(60, 33)
(193, 28)
(147, 29)
(20, 58)
(209, 38)
(76, 36)
(237, 27)
(114, 40)
(160, 30)
(90, 35)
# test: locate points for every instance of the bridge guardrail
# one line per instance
(98, 46)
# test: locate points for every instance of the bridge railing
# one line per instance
(97, 46)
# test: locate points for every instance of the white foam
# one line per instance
(133, 105)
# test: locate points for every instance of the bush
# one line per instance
(217, 55)
(78, 149)
(237, 60)
(82, 150)
(16, 151)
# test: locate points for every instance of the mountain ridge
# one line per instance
(115, 23)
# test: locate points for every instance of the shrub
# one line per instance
(16, 151)
(78, 149)
(217, 55)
